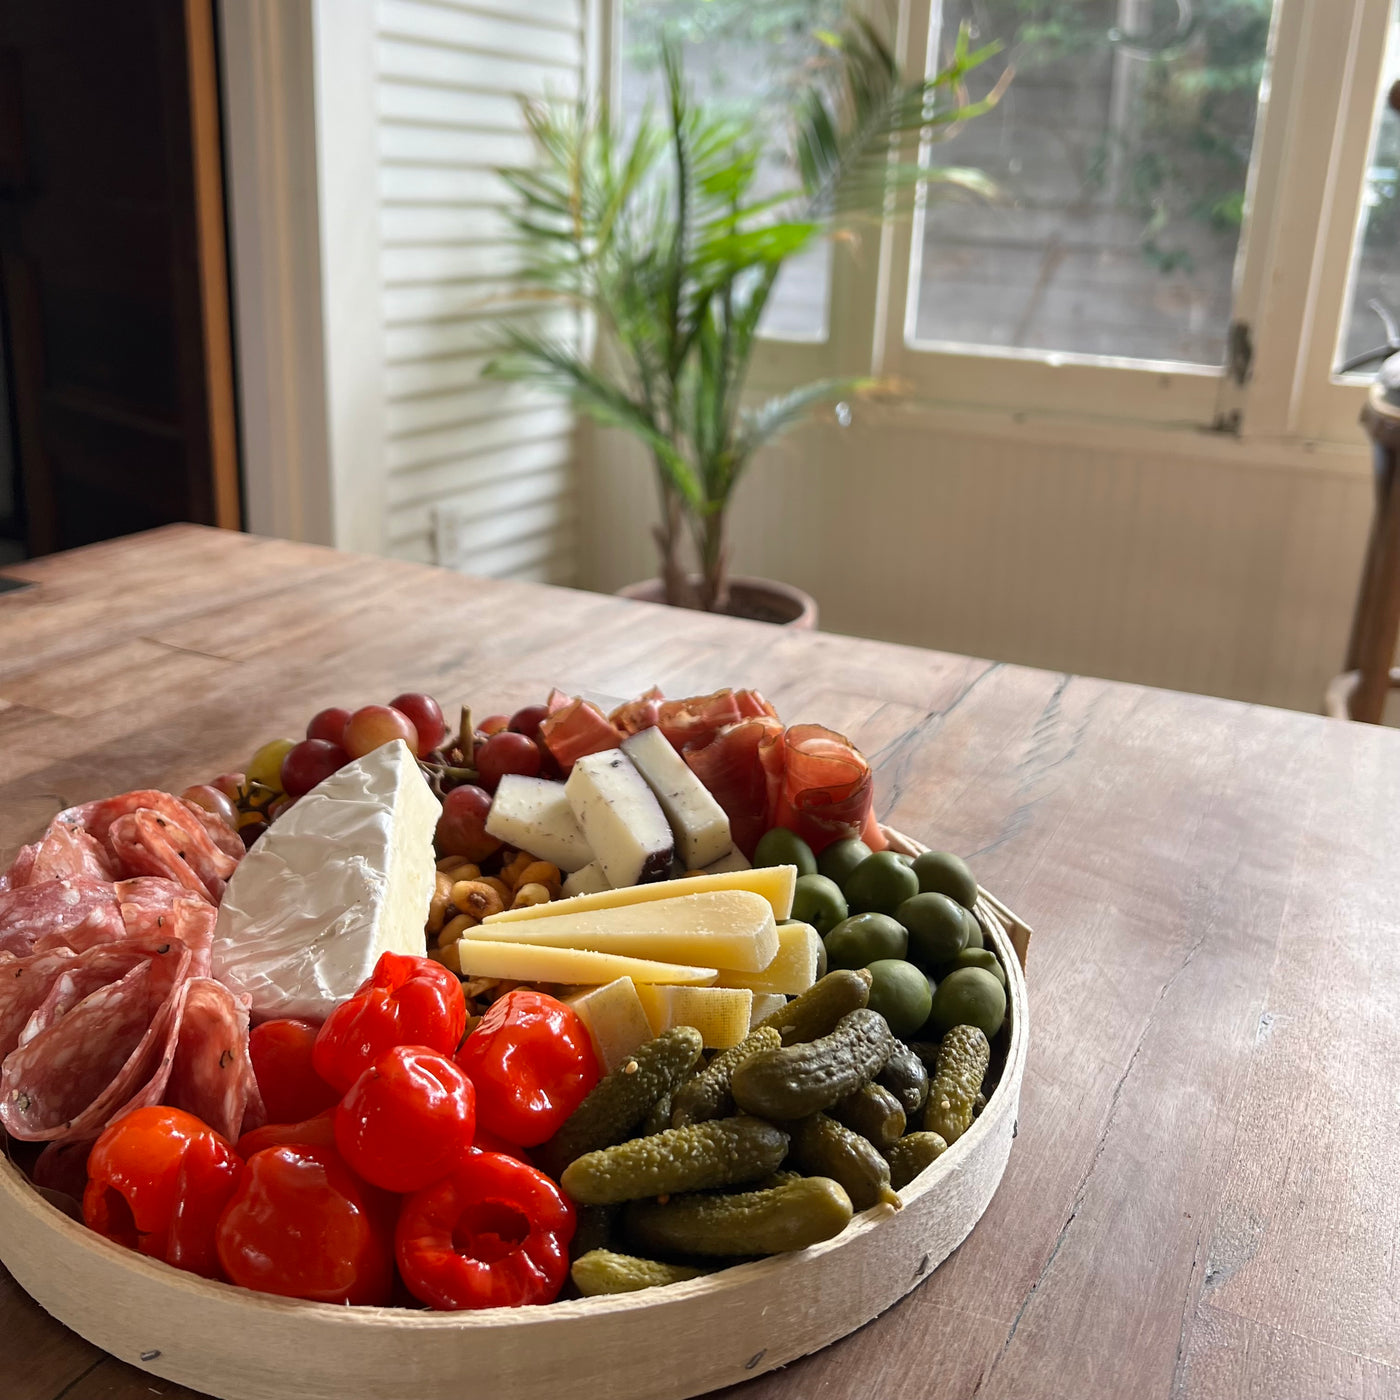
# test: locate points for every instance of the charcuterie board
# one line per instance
(678, 1340)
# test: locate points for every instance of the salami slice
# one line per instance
(65, 852)
(212, 1074)
(24, 985)
(156, 909)
(17, 876)
(145, 842)
(62, 911)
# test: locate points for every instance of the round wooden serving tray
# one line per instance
(661, 1344)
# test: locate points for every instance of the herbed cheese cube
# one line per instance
(698, 822)
(620, 818)
(534, 815)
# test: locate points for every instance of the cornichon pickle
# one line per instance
(806, 1078)
(707, 1095)
(957, 1080)
(658, 1117)
(792, 1216)
(824, 1147)
(622, 1099)
(600, 1271)
(911, 1154)
(906, 1078)
(698, 1157)
(818, 1010)
(874, 1113)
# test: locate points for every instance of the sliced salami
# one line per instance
(212, 1074)
(24, 985)
(69, 852)
(72, 911)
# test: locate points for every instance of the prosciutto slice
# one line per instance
(636, 715)
(827, 789)
(732, 765)
(574, 729)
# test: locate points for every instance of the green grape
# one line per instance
(266, 765)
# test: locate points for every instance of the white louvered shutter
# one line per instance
(480, 474)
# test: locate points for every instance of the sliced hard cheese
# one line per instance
(338, 879)
(698, 822)
(791, 972)
(720, 1014)
(620, 818)
(733, 859)
(587, 880)
(774, 882)
(727, 928)
(534, 815)
(615, 1019)
(764, 1005)
(525, 962)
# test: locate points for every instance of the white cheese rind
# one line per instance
(621, 819)
(342, 876)
(534, 815)
(698, 822)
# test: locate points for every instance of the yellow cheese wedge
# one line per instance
(791, 972)
(764, 1005)
(726, 928)
(775, 883)
(720, 1014)
(522, 962)
(615, 1019)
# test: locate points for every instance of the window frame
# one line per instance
(1312, 143)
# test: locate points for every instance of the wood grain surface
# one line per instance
(1203, 1198)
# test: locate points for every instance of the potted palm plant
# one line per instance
(658, 235)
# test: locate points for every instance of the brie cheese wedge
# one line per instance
(345, 874)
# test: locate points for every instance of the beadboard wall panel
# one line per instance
(480, 475)
(1194, 565)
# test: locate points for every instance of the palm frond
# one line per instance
(783, 412)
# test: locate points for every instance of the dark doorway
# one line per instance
(116, 363)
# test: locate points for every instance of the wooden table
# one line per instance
(1204, 1197)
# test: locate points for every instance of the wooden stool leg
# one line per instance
(1378, 619)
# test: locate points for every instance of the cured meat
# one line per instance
(828, 791)
(642, 713)
(24, 984)
(212, 1073)
(732, 765)
(76, 908)
(17, 876)
(693, 723)
(752, 705)
(147, 843)
(69, 852)
(575, 729)
(156, 909)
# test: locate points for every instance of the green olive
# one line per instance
(880, 884)
(901, 994)
(968, 996)
(937, 928)
(974, 929)
(864, 939)
(840, 858)
(941, 872)
(819, 902)
(783, 847)
(978, 957)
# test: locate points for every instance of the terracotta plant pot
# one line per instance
(758, 599)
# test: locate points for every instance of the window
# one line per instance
(1197, 203)
(749, 56)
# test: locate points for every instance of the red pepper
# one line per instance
(407, 1001)
(532, 1062)
(407, 1120)
(494, 1234)
(291, 1089)
(302, 1225)
(157, 1180)
(312, 1132)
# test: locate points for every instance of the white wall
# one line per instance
(1189, 561)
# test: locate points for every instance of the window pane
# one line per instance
(1121, 149)
(750, 56)
(1376, 268)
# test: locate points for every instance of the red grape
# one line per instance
(506, 753)
(308, 762)
(461, 830)
(492, 724)
(425, 714)
(375, 725)
(230, 784)
(527, 720)
(213, 800)
(329, 725)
